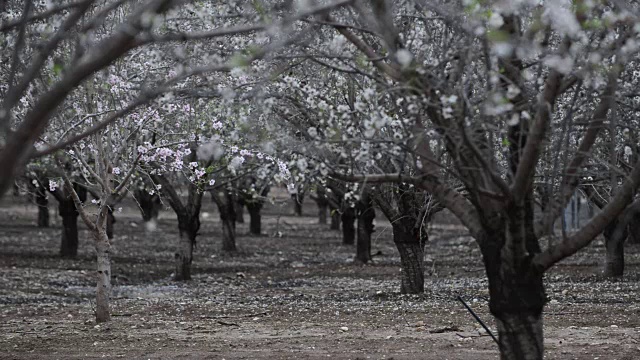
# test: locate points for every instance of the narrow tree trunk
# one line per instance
(335, 219)
(411, 250)
(227, 208)
(348, 228)
(184, 254)
(110, 221)
(255, 224)
(43, 206)
(322, 213)
(366, 214)
(103, 289)
(297, 203)
(69, 238)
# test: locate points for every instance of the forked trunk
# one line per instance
(184, 255)
(411, 250)
(335, 219)
(69, 237)
(255, 222)
(43, 206)
(520, 336)
(103, 289)
(348, 228)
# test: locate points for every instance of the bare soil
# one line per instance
(293, 293)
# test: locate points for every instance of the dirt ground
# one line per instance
(293, 293)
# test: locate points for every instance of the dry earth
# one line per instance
(295, 296)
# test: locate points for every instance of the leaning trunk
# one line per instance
(43, 206)
(411, 250)
(184, 254)
(348, 229)
(103, 289)
(69, 238)
(255, 224)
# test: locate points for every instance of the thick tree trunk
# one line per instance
(348, 228)
(520, 336)
(255, 221)
(69, 238)
(43, 206)
(103, 289)
(366, 214)
(614, 235)
(184, 253)
(335, 219)
(411, 250)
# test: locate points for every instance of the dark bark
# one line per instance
(614, 236)
(184, 254)
(366, 214)
(297, 203)
(43, 206)
(240, 210)
(149, 208)
(411, 249)
(335, 219)
(255, 224)
(227, 208)
(634, 230)
(348, 218)
(69, 213)
(110, 221)
(323, 203)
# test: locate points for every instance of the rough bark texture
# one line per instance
(347, 218)
(103, 289)
(520, 336)
(411, 250)
(366, 214)
(43, 206)
(184, 253)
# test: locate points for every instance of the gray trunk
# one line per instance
(103, 289)
(184, 256)
(228, 235)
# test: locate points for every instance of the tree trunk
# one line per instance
(227, 208)
(520, 336)
(297, 203)
(69, 238)
(239, 210)
(634, 230)
(110, 221)
(255, 224)
(335, 219)
(614, 235)
(184, 253)
(103, 289)
(322, 213)
(411, 250)
(366, 214)
(43, 206)
(149, 208)
(348, 229)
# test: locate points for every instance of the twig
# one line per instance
(478, 320)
